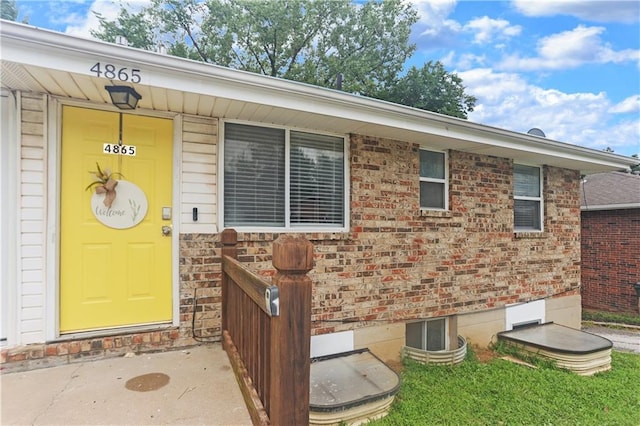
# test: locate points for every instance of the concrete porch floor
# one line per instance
(201, 390)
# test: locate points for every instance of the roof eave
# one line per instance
(375, 114)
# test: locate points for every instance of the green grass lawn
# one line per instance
(499, 392)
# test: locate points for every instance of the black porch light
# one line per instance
(637, 287)
(124, 97)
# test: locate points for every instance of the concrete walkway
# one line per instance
(195, 386)
(624, 338)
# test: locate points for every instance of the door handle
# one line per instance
(166, 230)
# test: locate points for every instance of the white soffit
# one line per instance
(50, 62)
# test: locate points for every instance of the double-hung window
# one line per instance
(527, 202)
(434, 183)
(281, 178)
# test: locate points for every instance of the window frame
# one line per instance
(539, 199)
(445, 181)
(424, 336)
(288, 227)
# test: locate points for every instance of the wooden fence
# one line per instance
(266, 328)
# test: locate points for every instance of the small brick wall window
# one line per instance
(430, 335)
(434, 182)
(277, 178)
(527, 198)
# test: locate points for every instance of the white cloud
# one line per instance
(57, 13)
(570, 49)
(628, 105)
(627, 132)
(448, 59)
(506, 100)
(490, 87)
(89, 21)
(433, 12)
(433, 29)
(466, 61)
(596, 11)
(486, 29)
(81, 26)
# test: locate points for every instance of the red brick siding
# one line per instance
(398, 263)
(58, 353)
(610, 260)
(200, 291)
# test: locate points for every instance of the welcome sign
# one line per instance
(128, 207)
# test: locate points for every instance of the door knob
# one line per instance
(166, 230)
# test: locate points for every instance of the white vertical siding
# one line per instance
(199, 162)
(32, 213)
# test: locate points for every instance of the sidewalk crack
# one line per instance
(55, 397)
(187, 390)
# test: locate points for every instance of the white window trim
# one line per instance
(10, 301)
(287, 227)
(445, 180)
(540, 198)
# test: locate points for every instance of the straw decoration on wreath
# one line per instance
(104, 183)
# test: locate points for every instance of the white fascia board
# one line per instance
(29, 45)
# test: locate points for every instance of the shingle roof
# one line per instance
(610, 190)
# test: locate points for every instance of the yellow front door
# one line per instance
(115, 275)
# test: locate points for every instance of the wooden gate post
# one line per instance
(229, 239)
(291, 332)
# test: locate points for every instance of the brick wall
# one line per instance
(200, 289)
(610, 260)
(51, 354)
(399, 263)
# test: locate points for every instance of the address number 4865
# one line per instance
(112, 72)
(114, 148)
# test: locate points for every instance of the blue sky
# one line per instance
(570, 68)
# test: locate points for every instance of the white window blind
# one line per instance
(256, 171)
(527, 203)
(254, 176)
(316, 179)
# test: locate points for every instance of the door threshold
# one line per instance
(115, 331)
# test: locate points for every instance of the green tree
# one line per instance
(8, 10)
(136, 28)
(311, 41)
(434, 89)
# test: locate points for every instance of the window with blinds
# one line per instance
(316, 179)
(433, 180)
(527, 202)
(283, 178)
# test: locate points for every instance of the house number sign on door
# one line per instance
(117, 149)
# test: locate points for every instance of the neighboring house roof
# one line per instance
(44, 61)
(610, 191)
